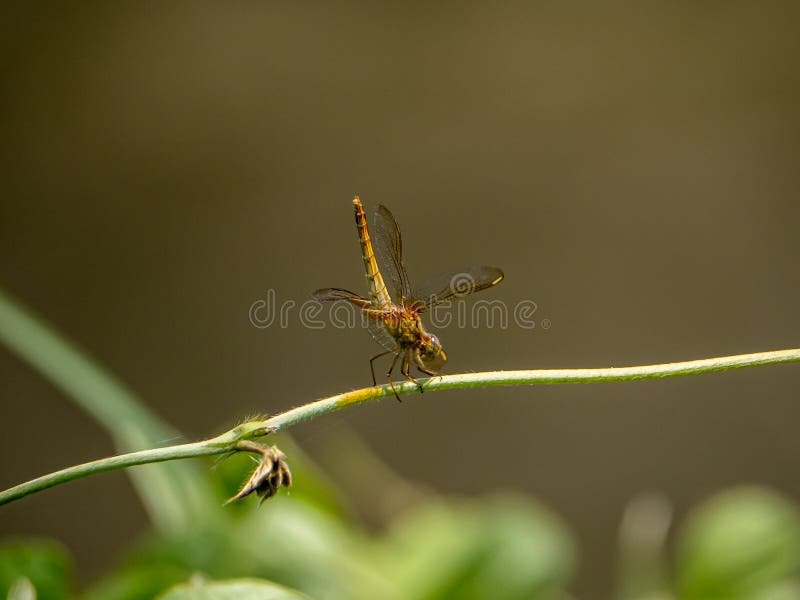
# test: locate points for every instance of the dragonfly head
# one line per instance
(432, 353)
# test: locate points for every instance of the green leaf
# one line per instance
(643, 568)
(44, 563)
(22, 590)
(302, 546)
(740, 544)
(786, 590)
(137, 582)
(174, 493)
(240, 589)
(287, 541)
(504, 548)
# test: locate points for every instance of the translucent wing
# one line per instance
(334, 294)
(380, 335)
(456, 284)
(375, 327)
(388, 247)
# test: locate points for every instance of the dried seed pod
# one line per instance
(271, 473)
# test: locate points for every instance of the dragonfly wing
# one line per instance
(375, 327)
(457, 284)
(388, 246)
(380, 335)
(335, 294)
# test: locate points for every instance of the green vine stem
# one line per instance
(227, 442)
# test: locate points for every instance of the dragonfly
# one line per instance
(393, 308)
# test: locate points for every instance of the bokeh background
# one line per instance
(633, 168)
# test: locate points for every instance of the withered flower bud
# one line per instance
(271, 473)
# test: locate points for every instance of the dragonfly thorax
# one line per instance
(405, 327)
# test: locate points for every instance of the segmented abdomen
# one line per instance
(377, 288)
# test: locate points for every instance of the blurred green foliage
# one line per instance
(743, 544)
(499, 547)
(45, 563)
(240, 589)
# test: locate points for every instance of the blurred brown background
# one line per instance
(634, 168)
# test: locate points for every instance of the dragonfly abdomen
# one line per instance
(377, 288)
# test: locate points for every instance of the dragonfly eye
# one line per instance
(433, 348)
(432, 354)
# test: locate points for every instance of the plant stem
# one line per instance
(227, 441)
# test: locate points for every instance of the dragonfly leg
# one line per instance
(404, 369)
(372, 366)
(389, 376)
